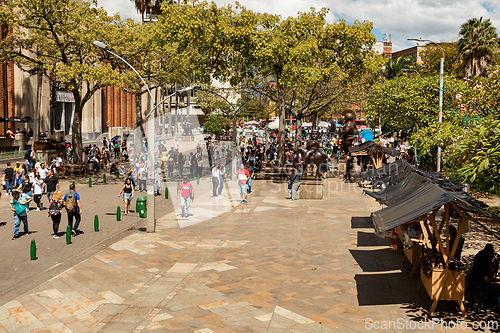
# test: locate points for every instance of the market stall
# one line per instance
(428, 242)
(374, 151)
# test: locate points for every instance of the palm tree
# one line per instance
(478, 40)
(151, 6)
(394, 67)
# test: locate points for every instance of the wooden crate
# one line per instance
(454, 286)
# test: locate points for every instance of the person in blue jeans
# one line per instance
(9, 179)
(186, 192)
(73, 208)
(18, 204)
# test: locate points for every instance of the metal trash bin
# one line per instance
(140, 206)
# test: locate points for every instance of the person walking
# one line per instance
(349, 163)
(193, 164)
(180, 163)
(142, 174)
(295, 182)
(18, 204)
(54, 212)
(73, 208)
(186, 192)
(222, 175)
(9, 179)
(20, 173)
(251, 171)
(128, 194)
(51, 185)
(199, 166)
(215, 180)
(37, 189)
(242, 176)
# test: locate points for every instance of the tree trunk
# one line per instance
(298, 132)
(266, 143)
(314, 121)
(234, 129)
(76, 136)
(139, 124)
(282, 126)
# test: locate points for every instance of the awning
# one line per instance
(425, 199)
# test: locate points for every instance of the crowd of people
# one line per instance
(25, 184)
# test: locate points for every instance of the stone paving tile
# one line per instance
(269, 266)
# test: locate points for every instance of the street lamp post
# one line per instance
(440, 114)
(150, 222)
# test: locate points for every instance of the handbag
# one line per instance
(19, 208)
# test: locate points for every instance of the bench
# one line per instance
(73, 169)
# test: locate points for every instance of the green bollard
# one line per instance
(178, 185)
(90, 181)
(68, 235)
(73, 182)
(166, 192)
(96, 223)
(118, 214)
(198, 179)
(104, 178)
(117, 175)
(33, 250)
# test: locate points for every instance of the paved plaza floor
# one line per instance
(272, 265)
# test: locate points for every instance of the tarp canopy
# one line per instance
(425, 199)
(370, 147)
(400, 191)
(392, 173)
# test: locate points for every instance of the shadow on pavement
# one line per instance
(358, 222)
(370, 239)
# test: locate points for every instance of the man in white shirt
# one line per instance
(42, 171)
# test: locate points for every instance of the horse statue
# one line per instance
(313, 154)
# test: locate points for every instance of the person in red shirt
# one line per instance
(186, 192)
(243, 177)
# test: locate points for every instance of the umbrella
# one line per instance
(307, 124)
(324, 124)
(252, 122)
(26, 119)
(116, 137)
(275, 123)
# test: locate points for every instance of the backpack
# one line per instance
(71, 203)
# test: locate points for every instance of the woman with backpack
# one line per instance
(54, 212)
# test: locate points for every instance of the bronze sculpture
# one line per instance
(313, 154)
(348, 129)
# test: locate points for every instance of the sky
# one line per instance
(397, 20)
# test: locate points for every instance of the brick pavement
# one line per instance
(271, 265)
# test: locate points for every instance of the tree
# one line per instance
(431, 58)
(54, 38)
(394, 68)
(478, 41)
(307, 52)
(405, 104)
(210, 42)
(133, 42)
(213, 124)
(228, 102)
